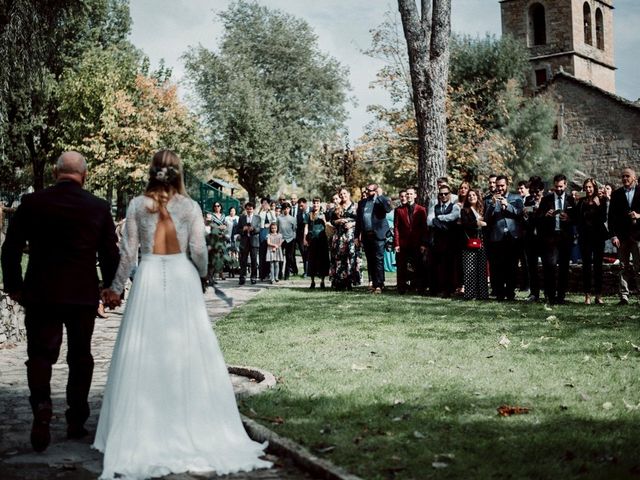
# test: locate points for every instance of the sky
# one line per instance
(165, 29)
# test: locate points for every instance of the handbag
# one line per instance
(474, 243)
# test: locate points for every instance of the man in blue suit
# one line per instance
(503, 214)
(371, 231)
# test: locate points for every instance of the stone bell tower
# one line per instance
(575, 36)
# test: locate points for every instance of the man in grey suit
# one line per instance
(248, 227)
(503, 214)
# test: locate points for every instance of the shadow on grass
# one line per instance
(464, 433)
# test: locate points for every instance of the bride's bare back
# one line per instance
(165, 240)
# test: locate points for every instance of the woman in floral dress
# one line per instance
(347, 264)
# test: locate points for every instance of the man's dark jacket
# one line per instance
(64, 227)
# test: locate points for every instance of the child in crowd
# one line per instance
(274, 251)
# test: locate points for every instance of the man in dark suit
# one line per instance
(248, 227)
(556, 233)
(65, 227)
(371, 231)
(624, 212)
(503, 214)
(301, 217)
(410, 241)
(445, 237)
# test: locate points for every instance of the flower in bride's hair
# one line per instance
(161, 174)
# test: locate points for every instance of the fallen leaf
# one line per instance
(397, 401)
(418, 434)
(439, 465)
(504, 341)
(607, 405)
(636, 347)
(630, 406)
(357, 368)
(584, 397)
(548, 308)
(508, 410)
(447, 409)
(569, 385)
(552, 318)
(586, 358)
(326, 449)
(524, 345)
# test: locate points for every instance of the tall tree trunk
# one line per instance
(427, 34)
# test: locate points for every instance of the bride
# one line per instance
(168, 404)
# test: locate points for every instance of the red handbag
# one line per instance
(474, 243)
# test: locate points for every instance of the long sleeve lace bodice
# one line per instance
(140, 229)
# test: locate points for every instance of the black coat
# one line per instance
(547, 225)
(620, 224)
(65, 228)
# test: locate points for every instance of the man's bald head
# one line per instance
(71, 166)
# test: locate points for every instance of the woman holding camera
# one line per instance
(591, 213)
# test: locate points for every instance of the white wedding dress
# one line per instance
(168, 404)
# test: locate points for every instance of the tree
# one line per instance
(38, 40)
(427, 36)
(269, 96)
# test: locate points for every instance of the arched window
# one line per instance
(586, 21)
(537, 25)
(599, 29)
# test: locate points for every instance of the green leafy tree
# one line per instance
(38, 41)
(269, 95)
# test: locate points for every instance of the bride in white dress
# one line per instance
(168, 404)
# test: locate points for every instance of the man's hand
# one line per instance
(397, 249)
(564, 216)
(16, 296)
(423, 248)
(550, 212)
(616, 242)
(110, 298)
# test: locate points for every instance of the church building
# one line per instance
(571, 47)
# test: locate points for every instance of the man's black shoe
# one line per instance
(241, 281)
(40, 436)
(623, 301)
(253, 281)
(76, 432)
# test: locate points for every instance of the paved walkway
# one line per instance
(75, 460)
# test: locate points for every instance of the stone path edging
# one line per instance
(301, 456)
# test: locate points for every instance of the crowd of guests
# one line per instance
(466, 243)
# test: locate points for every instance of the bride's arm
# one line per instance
(197, 244)
(128, 249)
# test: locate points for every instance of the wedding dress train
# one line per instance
(169, 405)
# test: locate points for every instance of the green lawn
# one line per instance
(408, 387)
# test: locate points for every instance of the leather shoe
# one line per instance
(241, 281)
(40, 435)
(253, 281)
(623, 301)
(76, 431)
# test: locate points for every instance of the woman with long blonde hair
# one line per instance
(168, 405)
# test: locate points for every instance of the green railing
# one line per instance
(206, 196)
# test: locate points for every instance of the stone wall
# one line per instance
(605, 128)
(12, 328)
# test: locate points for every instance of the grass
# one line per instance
(408, 387)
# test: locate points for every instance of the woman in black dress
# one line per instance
(590, 215)
(474, 256)
(315, 239)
